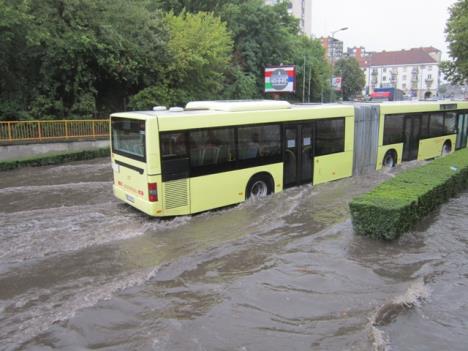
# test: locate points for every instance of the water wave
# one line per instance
(417, 293)
(33, 313)
(41, 233)
(66, 186)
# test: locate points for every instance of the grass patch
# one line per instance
(53, 159)
(396, 205)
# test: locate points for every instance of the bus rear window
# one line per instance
(128, 138)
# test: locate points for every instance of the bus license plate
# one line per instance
(130, 198)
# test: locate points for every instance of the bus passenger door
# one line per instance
(462, 130)
(298, 154)
(412, 132)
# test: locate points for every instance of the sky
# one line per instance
(383, 25)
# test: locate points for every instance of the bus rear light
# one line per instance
(152, 192)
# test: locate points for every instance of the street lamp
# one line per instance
(332, 54)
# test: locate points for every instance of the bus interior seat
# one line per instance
(210, 155)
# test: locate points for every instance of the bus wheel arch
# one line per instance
(260, 185)
(446, 148)
(390, 159)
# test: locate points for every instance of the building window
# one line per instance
(404, 86)
(385, 70)
(429, 68)
(384, 78)
(404, 77)
(429, 76)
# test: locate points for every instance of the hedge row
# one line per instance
(396, 205)
(53, 159)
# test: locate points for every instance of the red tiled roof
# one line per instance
(402, 57)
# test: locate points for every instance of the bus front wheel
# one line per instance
(389, 160)
(259, 186)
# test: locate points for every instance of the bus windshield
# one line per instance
(128, 138)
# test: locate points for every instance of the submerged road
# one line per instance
(79, 270)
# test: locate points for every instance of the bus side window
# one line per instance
(259, 142)
(212, 146)
(173, 145)
(330, 136)
(425, 131)
(449, 122)
(393, 129)
(437, 124)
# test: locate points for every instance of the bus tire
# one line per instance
(390, 159)
(260, 185)
(446, 148)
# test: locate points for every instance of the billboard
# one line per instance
(280, 79)
(336, 83)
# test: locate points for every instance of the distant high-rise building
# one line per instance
(301, 9)
(333, 48)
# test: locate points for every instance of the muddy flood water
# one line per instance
(79, 271)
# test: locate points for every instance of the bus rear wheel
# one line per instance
(447, 148)
(259, 186)
(389, 160)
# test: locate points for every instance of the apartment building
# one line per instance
(333, 48)
(414, 71)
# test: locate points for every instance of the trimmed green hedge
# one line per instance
(53, 159)
(396, 205)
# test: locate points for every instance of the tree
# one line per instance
(262, 35)
(457, 38)
(94, 54)
(199, 47)
(17, 73)
(65, 58)
(352, 77)
(315, 84)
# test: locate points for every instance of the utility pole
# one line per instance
(332, 54)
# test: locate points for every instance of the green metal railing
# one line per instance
(40, 131)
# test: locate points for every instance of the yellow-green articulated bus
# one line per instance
(219, 153)
(420, 131)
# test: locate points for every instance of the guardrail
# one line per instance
(40, 131)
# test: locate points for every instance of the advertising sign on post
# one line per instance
(280, 79)
(336, 83)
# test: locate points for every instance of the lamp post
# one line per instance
(332, 59)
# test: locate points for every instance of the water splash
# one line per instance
(417, 293)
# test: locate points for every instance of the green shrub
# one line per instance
(396, 205)
(54, 159)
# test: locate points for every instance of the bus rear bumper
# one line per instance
(151, 209)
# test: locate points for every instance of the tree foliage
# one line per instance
(263, 35)
(457, 38)
(199, 48)
(352, 77)
(84, 58)
(312, 70)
